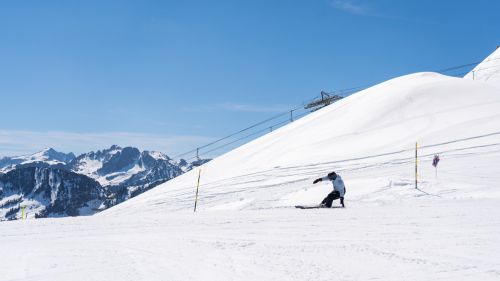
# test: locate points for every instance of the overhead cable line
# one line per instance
(341, 92)
(456, 67)
(238, 132)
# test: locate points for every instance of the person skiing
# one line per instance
(338, 190)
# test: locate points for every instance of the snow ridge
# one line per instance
(488, 70)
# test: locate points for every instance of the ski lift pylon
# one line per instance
(326, 99)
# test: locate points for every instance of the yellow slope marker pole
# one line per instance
(416, 165)
(197, 187)
(22, 212)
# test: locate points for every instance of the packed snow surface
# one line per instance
(246, 226)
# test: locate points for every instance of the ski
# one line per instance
(309, 207)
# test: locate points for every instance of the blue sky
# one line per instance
(170, 75)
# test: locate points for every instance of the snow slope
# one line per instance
(246, 227)
(371, 128)
(488, 70)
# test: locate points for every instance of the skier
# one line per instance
(338, 190)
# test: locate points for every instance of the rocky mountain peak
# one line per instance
(48, 154)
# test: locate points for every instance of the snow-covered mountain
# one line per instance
(126, 171)
(48, 192)
(488, 70)
(47, 157)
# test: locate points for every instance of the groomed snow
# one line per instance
(246, 227)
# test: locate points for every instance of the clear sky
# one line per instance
(170, 75)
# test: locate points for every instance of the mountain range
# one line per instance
(52, 183)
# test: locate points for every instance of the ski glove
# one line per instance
(316, 181)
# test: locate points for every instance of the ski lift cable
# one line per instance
(459, 75)
(349, 90)
(276, 125)
(250, 135)
(244, 130)
(239, 139)
(239, 132)
(457, 67)
(342, 92)
(468, 65)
